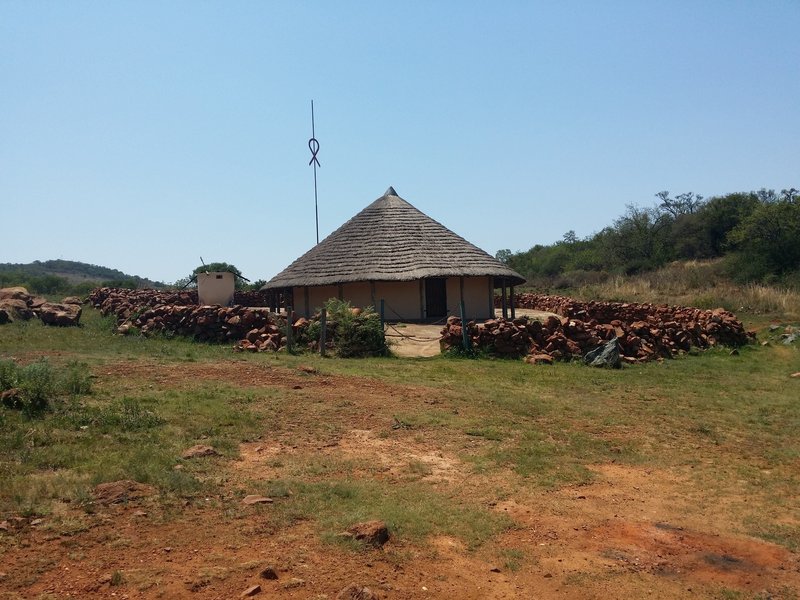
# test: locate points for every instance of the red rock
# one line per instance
(199, 451)
(374, 533)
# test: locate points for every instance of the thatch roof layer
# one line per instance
(390, 240)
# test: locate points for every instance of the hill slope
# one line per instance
(74, 272)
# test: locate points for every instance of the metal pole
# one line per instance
(313, 145)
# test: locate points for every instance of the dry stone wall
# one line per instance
(177, 313)
(644, 331)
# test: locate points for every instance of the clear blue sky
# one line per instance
(143, 135)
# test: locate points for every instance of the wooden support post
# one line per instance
(461, 291)
(341, 292)
(491, 297)
(289, 330)
(464, 329)
(511, 301)
(383, 314)
(323, 331)
(307, 311)
(372, 292)
(422, 300)
(505, 301)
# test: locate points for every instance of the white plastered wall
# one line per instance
(216, 288)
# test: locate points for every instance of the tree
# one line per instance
(682, 204)
(569, 237)
(639, 239)
(503, 255)
(769, 239)
(223, 267)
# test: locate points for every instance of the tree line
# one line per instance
(757, 234)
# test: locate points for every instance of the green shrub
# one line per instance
(8, 375)
(77, 380)
(37, 385)
(355, 335)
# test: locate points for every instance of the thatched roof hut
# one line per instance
(392, 251)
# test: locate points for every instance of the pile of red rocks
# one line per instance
(643, 331)
(17, 304)
(177, 313)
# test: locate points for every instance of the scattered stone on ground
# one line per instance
(294, 582)
(355, 592)
(606, 355)
(251, 591)
(72, 300)
(539, 359)
(16, 309)
(251, 499)
(17, 304)
(269, 573)
(115, 492)
(373, 533)
(199, 451)
(307, 369)
(62, 315)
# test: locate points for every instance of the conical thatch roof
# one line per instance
(390, 240)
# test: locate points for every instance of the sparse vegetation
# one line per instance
(356, 333)
(433, 447)
(35, 386)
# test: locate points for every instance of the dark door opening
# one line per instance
(435, 298)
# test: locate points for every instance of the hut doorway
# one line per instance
(435, 298)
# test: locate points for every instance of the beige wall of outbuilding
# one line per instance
(215, 288)
(404, 300)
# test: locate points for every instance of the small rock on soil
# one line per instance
(115, 492)
(374, 533)
(251, 591)
(355, 592)
(199, 451)
(256, 499)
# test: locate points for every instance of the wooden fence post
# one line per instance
(323, 332)
(289, 331)
(464, 332)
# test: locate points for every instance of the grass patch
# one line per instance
(716, 418)
(411, 512)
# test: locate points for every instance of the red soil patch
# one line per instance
(632, 533)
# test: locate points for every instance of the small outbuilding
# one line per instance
(393, 252)
(216, 287)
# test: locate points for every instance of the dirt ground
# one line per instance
(633, 533)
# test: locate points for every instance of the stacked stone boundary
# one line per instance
(644, 331)
(177, 313)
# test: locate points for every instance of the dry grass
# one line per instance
(697, 283)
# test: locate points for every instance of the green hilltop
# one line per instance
(67, 276)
